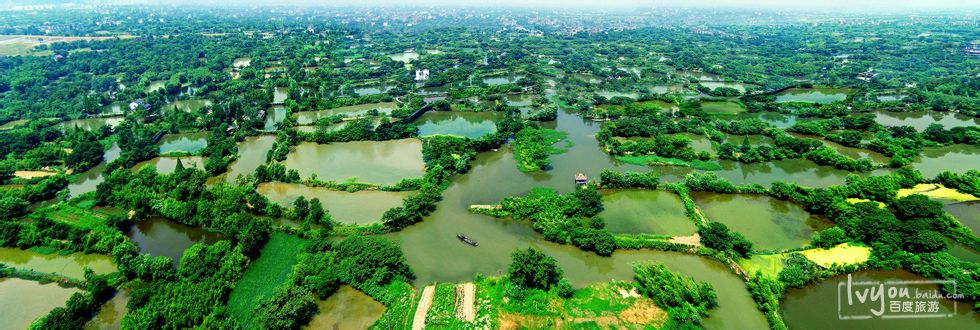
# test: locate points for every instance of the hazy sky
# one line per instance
(781, 4)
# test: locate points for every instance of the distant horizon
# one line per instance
(815, 5)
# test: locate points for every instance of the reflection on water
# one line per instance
(384, 162)
(23, 301)
(162, 237)
(817, 306)
(767, 222)
(466, 124)
(71, 265)
(346, 309)
(362, 207)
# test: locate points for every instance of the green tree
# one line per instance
(532, 268)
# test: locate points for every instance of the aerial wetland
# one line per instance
(354, 168)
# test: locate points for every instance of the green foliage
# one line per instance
(532, 147)
(798, 271)
(370, 263)
(613, 180)
(717, 236)
(687, 301)
(289, 308)
(533, 269)
(263, 276)
(829, 237)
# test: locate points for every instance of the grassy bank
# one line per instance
(271, 269)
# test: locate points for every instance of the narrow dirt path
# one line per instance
(694, 240)
(425, 302)
(464, 305)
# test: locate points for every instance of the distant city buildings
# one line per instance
(973, 49)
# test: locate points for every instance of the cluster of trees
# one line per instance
(13, 202)
(614, 180)
(220, 151)
(361, 130)
(717, 236)
(686, 300)
(184, 197)
(80, 306)
(562, 218)
(533, 146)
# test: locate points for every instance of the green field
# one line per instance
(657, 160)
(275, 261)
(722, 107)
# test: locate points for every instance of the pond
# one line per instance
(379, 162)
(71, 265)
(161, 237)
(519, 100)
(722, 107)
(242, 62)
(818, 306)
(156, 85)
(802, 171)
(111, 313)
(190, 105)
(957, 158)
(500, 80)
(466, 124)
(645, 212)
(23, 301)
(251, 154)
(279, 95)
(962, 251)
(346, 309)
(116, 108)
(372, 90)
(273, 116)
(309, 117)
(715, 84)
(184, 142)
(773, 118)
(813, 95)
(404, 57)
(89, 180)
(700, 143)
(921, 120)
(769, 223)
(91, 124)
(167, 165)
(612, 94)
(968, 213)
(362, 207)
(586, 77)
(663, 89)
(856, 153)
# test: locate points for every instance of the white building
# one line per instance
(421, 74)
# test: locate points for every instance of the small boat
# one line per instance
(467, 240)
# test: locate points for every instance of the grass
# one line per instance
(937, 191)
(612, 305)
(860, 200)
(768, 264)
(657, 160)
(271, 269)
(81, 213)
(722, 107)
(546, 139)
(844, 254)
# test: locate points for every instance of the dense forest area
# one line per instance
(258, 167)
